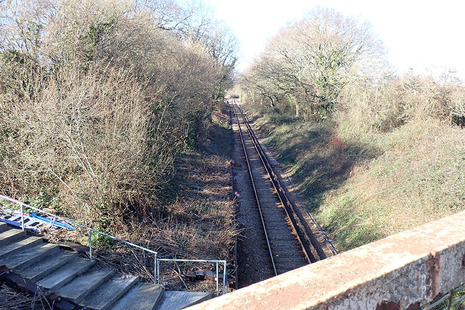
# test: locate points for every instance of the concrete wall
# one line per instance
(402, 271)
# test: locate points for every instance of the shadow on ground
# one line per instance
(319, 160)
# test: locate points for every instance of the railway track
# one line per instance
(288, 240)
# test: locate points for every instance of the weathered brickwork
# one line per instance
(402, 271)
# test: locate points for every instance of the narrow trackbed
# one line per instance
(288, 244)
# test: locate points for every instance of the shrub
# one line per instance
(95, 100)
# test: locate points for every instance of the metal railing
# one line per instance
(156, 268)
(212, 261)
(453, 299)
(77, 225)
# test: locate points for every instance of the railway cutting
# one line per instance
(276, 237)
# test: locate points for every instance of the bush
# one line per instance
(396, 101)
(95, 100)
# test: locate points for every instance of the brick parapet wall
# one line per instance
(402, 271)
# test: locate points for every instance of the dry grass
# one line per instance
(195, 220)
(12, 300)
(417, 179)
(367, 185)
(95, 100)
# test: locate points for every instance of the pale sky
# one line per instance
(417, 34)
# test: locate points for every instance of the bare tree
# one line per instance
(316, 56)
(96, 96)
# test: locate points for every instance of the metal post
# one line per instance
(449, 300)
(155, 280)
(90, 244)
(224, 278)
(158, 271)
(217, 292)
(22, 217)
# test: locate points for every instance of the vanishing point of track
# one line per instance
(288, 242)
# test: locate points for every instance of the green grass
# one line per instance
(418, 178)
(365, 187)
(313, 154)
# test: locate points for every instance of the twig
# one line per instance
(40, 296)
(180, 276)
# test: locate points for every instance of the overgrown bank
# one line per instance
(363, 188)
(111, 113)
(98, 97)
(373, 152)
(194, 218)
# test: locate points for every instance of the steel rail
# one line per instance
(290, 205)
(257, 199)
(301, 236)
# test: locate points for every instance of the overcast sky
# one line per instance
(416, 34)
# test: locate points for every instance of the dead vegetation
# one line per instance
(97, 98)
(12, 300)
(378, 152)
(194, 219)
(103, 106)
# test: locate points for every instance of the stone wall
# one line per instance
(402, 271)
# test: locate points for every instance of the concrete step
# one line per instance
(79, 280)
(11, 235)
(81, 286)
(27, 257)
(175, 300)
(108, 293)
(47, 265)
(141, 297)
(20, 245)
(65, 273)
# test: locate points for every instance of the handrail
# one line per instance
(215, 261)
(156, 265)
(91, 230)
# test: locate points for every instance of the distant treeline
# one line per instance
(327, 64)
